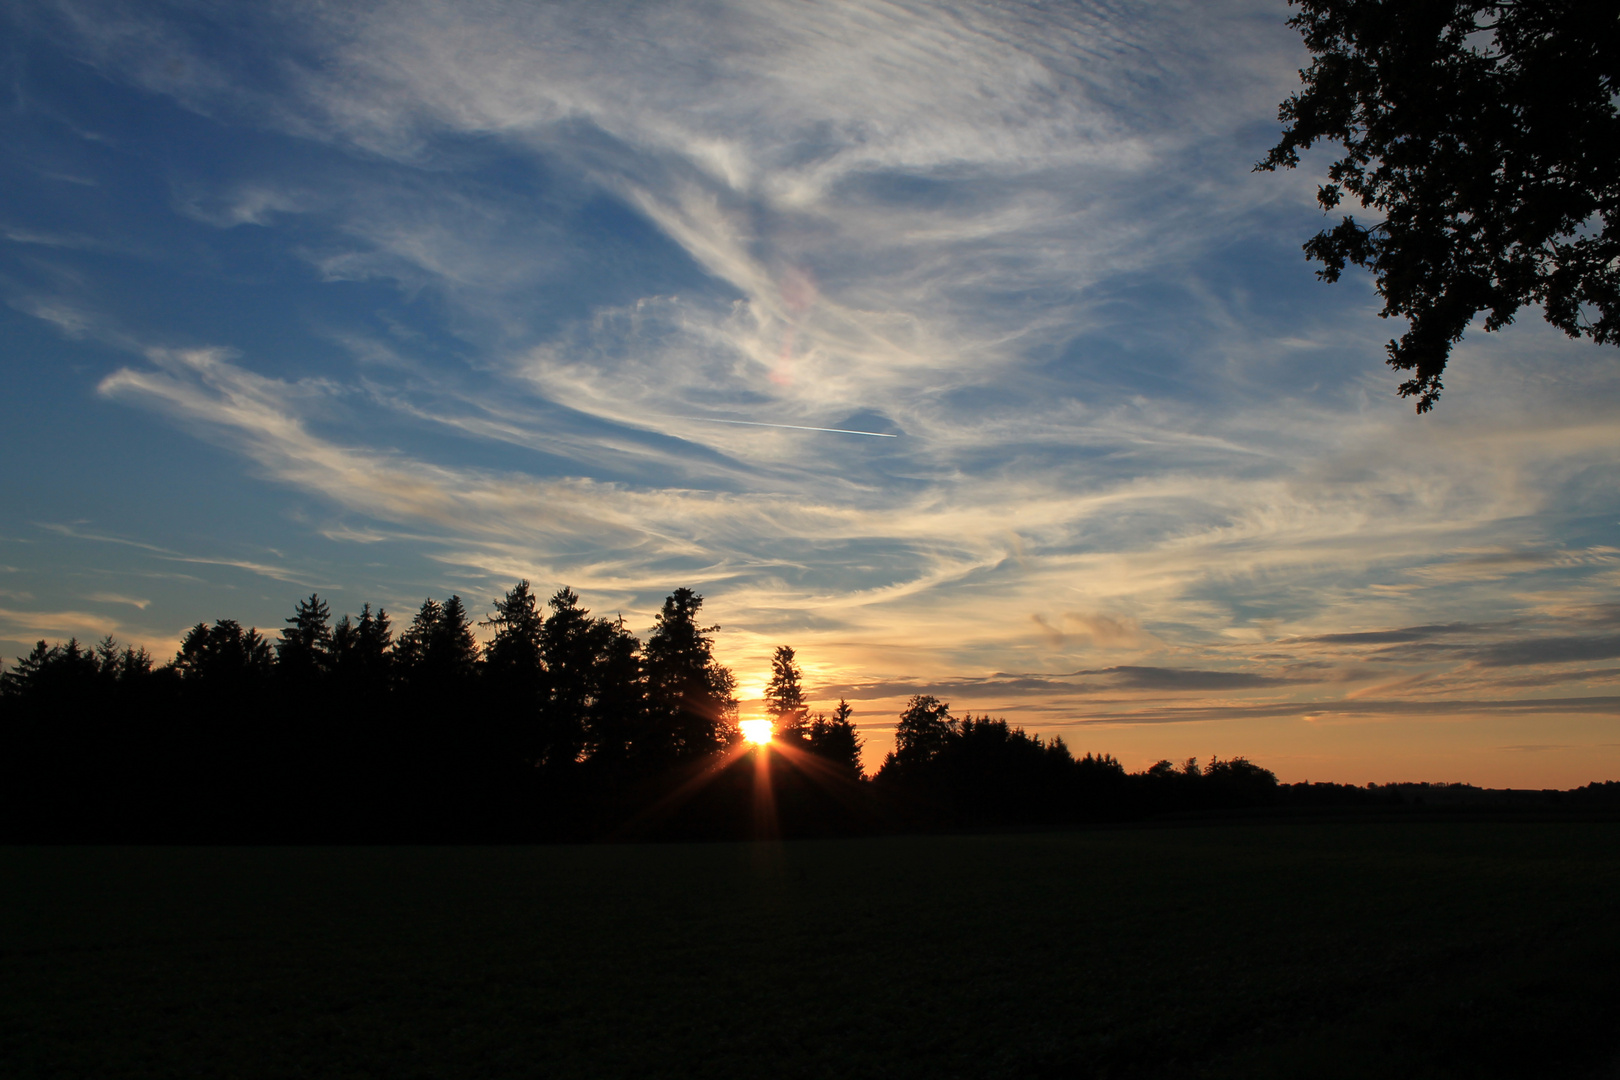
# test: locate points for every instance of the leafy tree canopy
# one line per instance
(924, 728)
(1485, 132)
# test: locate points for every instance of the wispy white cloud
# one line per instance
(118, 598)
(266, 570)
(18, 235)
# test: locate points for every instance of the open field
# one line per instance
(1354, 948)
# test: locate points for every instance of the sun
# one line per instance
(757, 732)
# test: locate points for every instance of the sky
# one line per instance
(956, 346)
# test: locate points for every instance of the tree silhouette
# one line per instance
(67, 674)
(455, 641)
(125, 666)
(514, 651)
(835, 739)
(784, 697)
(569, 642)
(224, 658)
(223, 745)
(360, 652)
(924, 729)
(617, 729)
(411, 654)
(920, 735)
(304, 652)
(515, 676)
(691, 710)
(438, 654)
(1486, 135)
(23, 680)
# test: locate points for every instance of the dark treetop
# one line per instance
(1487, 136)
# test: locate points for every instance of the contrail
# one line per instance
(794, 427)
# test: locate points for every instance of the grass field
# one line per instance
(1421, 949)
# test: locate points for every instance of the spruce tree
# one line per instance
(412, 653)
(568, 644)
(514, 651)
(616, 727)
(835, 738)
(455, 642)
(784, 698)
(515, 676)
(691, 709)
(304, 652)
(438, 653)
(360, 651)
(224, 658)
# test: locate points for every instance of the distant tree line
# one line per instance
(980, 771)
(351, 729)
(560, 725)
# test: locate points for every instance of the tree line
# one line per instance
(560, 725)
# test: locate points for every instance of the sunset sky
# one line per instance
(956, 346)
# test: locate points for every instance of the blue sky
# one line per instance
(402, 299)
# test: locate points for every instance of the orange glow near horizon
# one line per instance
(757, 732)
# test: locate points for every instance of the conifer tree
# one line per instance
(455, 641)
(568, 644)
(514, 651)
(416, 643)
(691, 709)
(784, 698)
(515, 676)
(23, 679)
(835, 738)
(224, 657)
(438, 653)
(305, 649)
(616, 726)
(54, 673)
(360, 651)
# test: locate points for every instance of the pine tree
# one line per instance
(23, 680)
(515, 675)
(54, 673)
(569, 645)
(456, 645)
(224, 658)
(784, 697)
(616, 728)
(691, 708)
(835, 738)
(304, 652)
(438, 655)
(413, 652)
(514, 651)
(360, 651)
